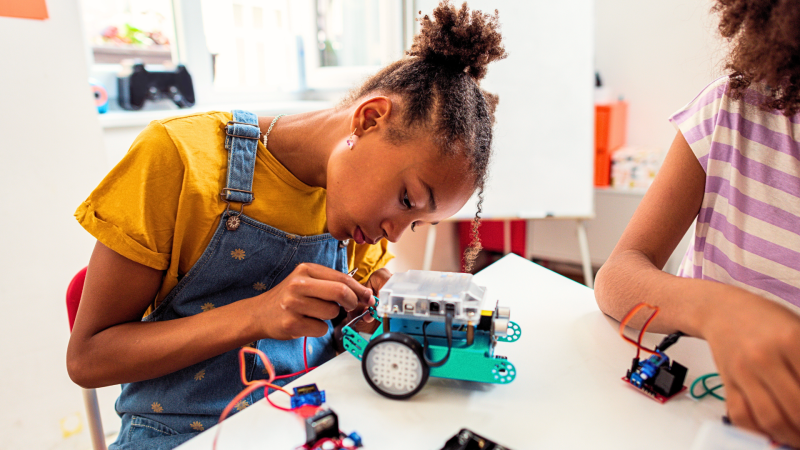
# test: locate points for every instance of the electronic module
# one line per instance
(433, 324)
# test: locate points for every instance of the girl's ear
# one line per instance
(371, 115)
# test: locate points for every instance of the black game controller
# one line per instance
(139, 84)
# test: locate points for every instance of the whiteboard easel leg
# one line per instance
(506, 237)
(583, 241)
(429, 244)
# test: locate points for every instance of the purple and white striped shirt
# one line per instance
(748, 229)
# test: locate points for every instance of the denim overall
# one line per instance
(243, 259)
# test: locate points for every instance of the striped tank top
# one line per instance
(747, 232)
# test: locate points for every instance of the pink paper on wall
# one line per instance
(25, 9)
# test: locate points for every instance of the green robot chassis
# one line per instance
(432, 325)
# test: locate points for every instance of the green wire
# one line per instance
(707, 390)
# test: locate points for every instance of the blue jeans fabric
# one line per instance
(163, 412)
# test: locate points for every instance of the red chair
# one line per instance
(74, 292)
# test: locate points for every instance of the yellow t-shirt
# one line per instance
(160, 205)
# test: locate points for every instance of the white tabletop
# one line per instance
(567, 393)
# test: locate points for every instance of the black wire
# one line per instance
(669, 340)
(448, 329)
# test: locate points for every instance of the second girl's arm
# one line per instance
(633, 272)
(753, 339)
(111, 345)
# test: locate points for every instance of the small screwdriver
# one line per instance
(371, 308)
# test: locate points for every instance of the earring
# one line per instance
(351, 141)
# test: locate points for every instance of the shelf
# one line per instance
(125, 119)
(638, 192)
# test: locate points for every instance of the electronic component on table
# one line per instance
(468, 440)
(322, 432)
(657, 377)
(427, 317)
(307, 395)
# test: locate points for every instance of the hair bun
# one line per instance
(459, 39)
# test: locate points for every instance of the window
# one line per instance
(126, 29)
(345, 31)
(249, 50)
(251, 45)
(351, 39)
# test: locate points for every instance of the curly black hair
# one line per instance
(765, 38)
(438, 82)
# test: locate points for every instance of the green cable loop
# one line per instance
(707, 390)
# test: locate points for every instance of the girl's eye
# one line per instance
(406, 201)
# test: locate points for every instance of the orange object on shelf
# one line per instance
(602, 168)
(609, 135)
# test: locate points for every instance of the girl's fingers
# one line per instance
(765, 415)
(361, 294)
(784, 387)
(302, 285)
(308, 326)
(305, 302)
(738, 409)
(792, 359)
(333, 291)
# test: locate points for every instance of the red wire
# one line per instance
(305, 358)
(628, 317)
(255, 384)
(251, 385)
(644, 327)
(305, 363)
(266, 395)
(319, 443)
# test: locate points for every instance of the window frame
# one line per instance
(190, 49)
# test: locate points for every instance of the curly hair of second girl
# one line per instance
(765, 47)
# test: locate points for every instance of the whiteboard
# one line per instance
(543, 162)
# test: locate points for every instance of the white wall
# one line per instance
(52, 156)
(658, 55)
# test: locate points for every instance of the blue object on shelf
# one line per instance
(100, 96)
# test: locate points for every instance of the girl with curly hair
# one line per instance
(224, 230)
(734, 167)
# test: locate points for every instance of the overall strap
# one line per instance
(241, 141)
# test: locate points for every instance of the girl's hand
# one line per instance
(756, 346)
(375, 282)
(378, 279)
(300, 304)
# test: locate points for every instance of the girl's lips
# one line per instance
(358, 236)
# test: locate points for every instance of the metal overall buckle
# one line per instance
(233, 122)
(233, 222)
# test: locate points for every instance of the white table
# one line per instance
(567, 394)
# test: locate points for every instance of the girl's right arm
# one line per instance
(754, 340)
(111, 345)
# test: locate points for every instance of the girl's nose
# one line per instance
(394, 228)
